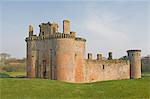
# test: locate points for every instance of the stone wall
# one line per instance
(135, 62)
(106, 70)
(79, 60)
(61, 56)
(65, 59)
(31, 57)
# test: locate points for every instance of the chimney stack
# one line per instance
(66, 27)
(110, 56)
(90, 56)
(99, 56)
(30, 30)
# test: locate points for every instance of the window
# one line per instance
(75, 56)
(103, 67)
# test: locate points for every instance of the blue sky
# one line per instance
(115, 26)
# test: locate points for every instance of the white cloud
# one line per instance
(103, 31)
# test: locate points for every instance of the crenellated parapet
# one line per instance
(50, 31)
(31, 38)
(115, 61)
(104, 62)
(48, 28)
(61, 35)
(101, 59)
(55, 36)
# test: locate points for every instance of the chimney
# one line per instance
(99, 56)
(90, 56)
(30, 30)
(110, 56)
(66, 27)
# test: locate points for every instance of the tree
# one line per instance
(124, 58)
(4, 56)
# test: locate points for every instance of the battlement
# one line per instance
(99, 56)
(52, 28)
(50, 31)
(61, 56)
(55, 36)
(106, 60)
(114, 61)
(48, 28)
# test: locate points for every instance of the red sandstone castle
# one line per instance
(61, 56)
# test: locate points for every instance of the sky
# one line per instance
(107, 25)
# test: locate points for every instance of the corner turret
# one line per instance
(134, 57)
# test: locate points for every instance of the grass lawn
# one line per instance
(146, 74)
(14, 74)
(24, 88)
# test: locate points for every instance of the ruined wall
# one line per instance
(61, 56)
(106, 70)
(42, 60)
(79, 60)
(58, 57)
(38, 57)
(47, 58)
(31, 57)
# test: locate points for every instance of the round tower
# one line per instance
(64, 58)
(134, 57)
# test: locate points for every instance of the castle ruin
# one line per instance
(61, 56)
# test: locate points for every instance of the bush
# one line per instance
(145, 68)
(15, 68)
(3, 75)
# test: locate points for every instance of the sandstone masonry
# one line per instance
(61, 56)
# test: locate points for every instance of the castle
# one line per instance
(61, 56)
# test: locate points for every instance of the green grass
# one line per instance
(146, 74)
(24, 88)
(14, 74)
(4, 75)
